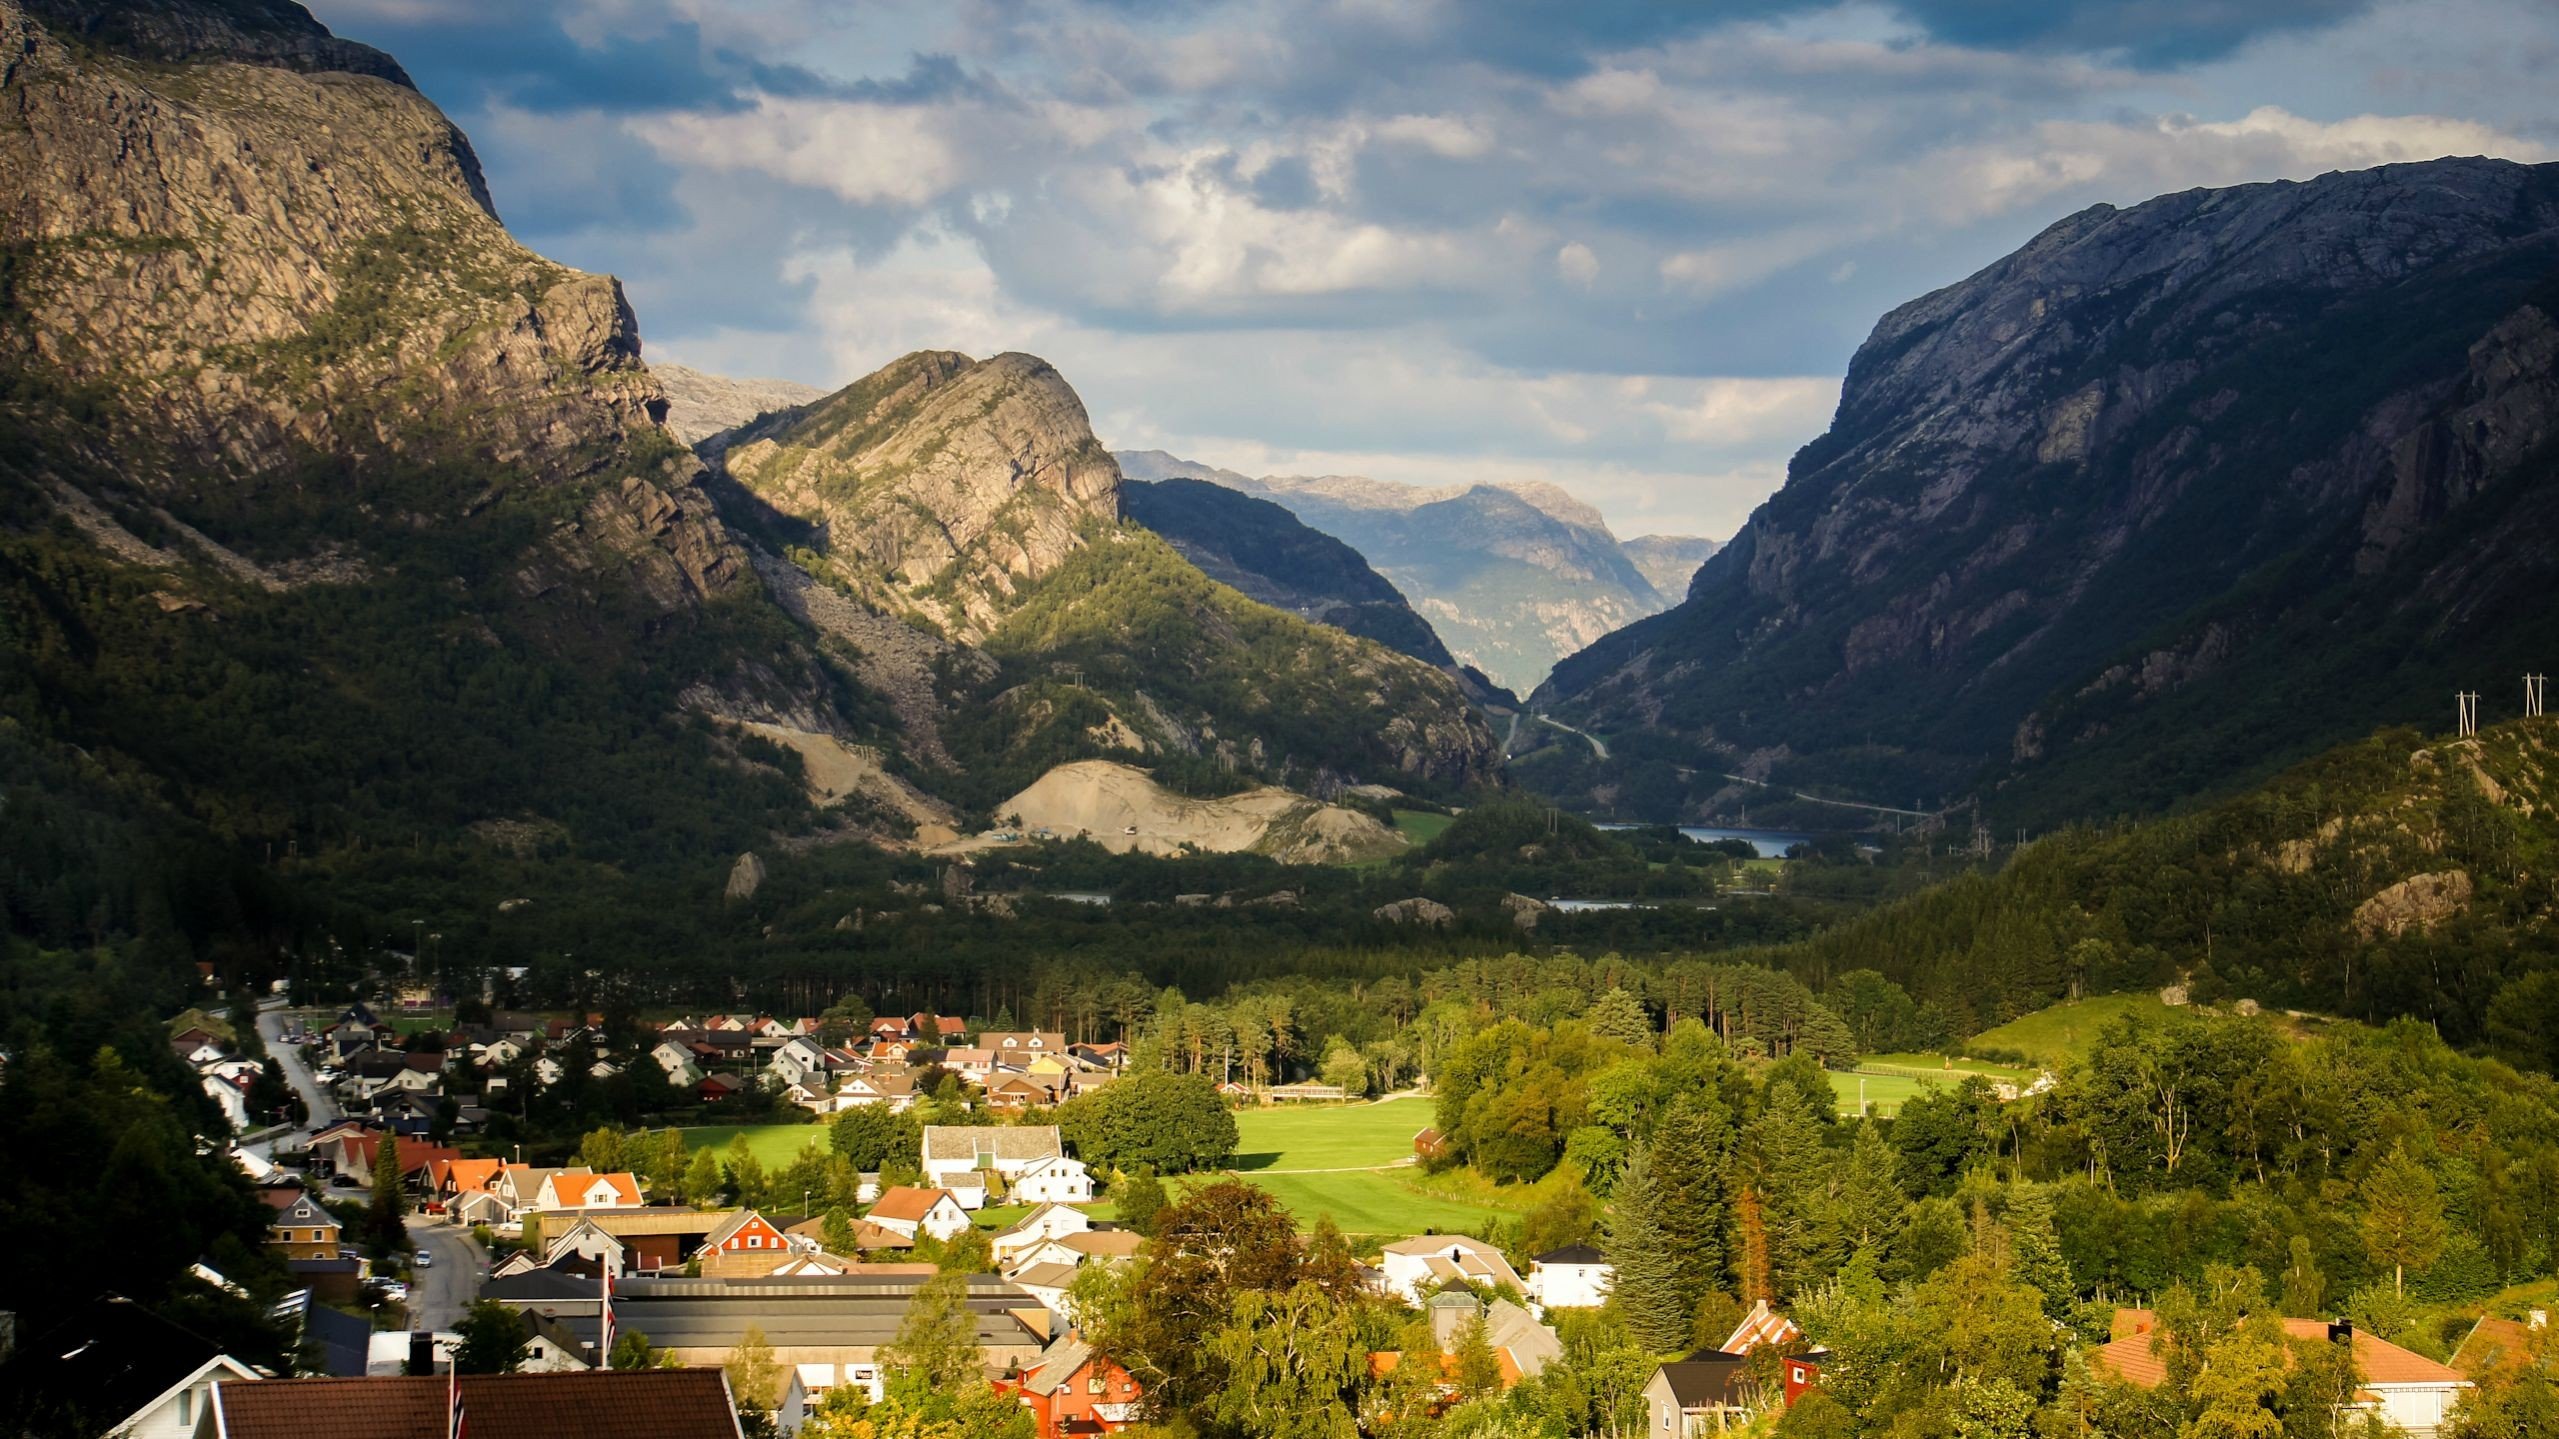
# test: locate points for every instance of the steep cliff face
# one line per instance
(1669, 561)
(372, 529)
(1512, 577)
(246, 248)
(2170, 495)
(941, 486)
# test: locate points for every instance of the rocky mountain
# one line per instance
(1512, 577)
(1268, 554)
(2171, 495)
(964, 510)
(332, 518)
(700, 405)
(1669, 562)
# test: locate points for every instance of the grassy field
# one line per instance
(1350, 1161)
(2069, 1031)
(773, 1145)
(1420, 825)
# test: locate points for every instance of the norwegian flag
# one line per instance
(604, 1346)
(455, 1426)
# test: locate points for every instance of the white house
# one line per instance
(1411, 1264)
(582, 1189)
(1059, 1180)
(1577, 1277)
(909, 1210)
(1008, 1150)
(1032, 1230)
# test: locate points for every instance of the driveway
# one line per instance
(439, 1293)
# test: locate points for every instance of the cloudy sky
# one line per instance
(1622, 246)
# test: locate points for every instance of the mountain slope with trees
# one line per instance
(2169, 497)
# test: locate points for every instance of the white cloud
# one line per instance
(1577, 265)
(864, 152)
(1444, 135)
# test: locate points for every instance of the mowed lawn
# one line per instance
(773, 1145)
(1349, 1161)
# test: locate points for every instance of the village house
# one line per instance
(1073, 1390)
(1049, 1221)
(301, 1228)
(1521, 1346)
(909, 1211)
(1019, 1048)
(1706, 1393)
(1412, 1265)
(893, 1087)
(1006, 1150)
(1575, 1277)
(1104, 1246)
(2496, 1346)
(584, 1189)
(2407, 1391)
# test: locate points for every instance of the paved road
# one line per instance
(323, 1109)
(1598, 746)
(439, 1293)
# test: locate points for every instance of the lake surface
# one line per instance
(1079, 896)
(1771, 843)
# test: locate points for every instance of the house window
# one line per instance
(1799, 1376)
(755, 1241)
(186, 1406)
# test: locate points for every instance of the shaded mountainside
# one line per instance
(2169, 497)
(328, 513)
(2399, 875)
(1511, 577)
(332, 520)
(1269, 555)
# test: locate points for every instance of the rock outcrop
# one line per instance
(2094, 524)
(258, 250)
(699, 406)
(941, 486)
(1123, 810)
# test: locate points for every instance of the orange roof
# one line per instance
(2378, 1360)
(469, 1176)
(1385, 1361)
(2493, 1345)
(907, 1201)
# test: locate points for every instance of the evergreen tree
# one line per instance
(383, 1214)
(1691, 1154)
(1646, 1289)
(1867, 1206)
(2034, 1250)
(2403, 1220)
(1792, 1173)
(702, 1178)
(1620, 1016)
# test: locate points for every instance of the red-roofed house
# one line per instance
(908, 1209)
(580, 1189)
(2409, 1391)
(1074, 1391)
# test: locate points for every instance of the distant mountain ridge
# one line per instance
(1511, 576)
(700, 405)
(2170, 496)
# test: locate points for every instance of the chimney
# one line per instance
(2341, 1331)
(421, 1352)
